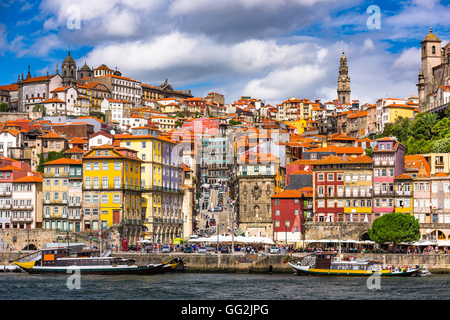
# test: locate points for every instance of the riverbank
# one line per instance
(269, 263)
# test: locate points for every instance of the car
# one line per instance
(225, 249)
(165, 249)
(218, 209)
(188, 250)
(210, 248)
(202, 250)
(194, 236)
(274, 250)
(132, 248)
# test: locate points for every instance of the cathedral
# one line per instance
(434, 74)
(343, 90)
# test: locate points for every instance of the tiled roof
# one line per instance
(288, 194)
(29, 179)
(63, 161)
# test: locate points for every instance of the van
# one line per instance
(194, 236)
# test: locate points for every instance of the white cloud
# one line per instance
(27, 6)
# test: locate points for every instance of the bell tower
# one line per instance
(68, 71)
(343, 90)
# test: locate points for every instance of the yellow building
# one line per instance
(112, 190)
(62, 195)
(357, 189)
(161, 182)
(404, 194)
(299, 124)
(392, 111)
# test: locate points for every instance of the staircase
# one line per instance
(106, 253)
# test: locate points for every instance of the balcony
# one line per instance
(384, 193)
(53, 201)
(74, 204)
(5, 193)
(21, 219)
(5, 206)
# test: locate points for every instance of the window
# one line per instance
(277, 202)
(116, 198)
(296, 201)
(434, 187)
(105, 166)
(330, 177)
(340, 177)
(277, 212)
(320, 177)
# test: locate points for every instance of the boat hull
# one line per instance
(307, 271)
(101, 270)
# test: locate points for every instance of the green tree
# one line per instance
(40, 108)
(369, 152)
(440, 146)
(52, 155)
(430, 120)
(234, 122)
(4, 107)
(394, 228)
(442, 128)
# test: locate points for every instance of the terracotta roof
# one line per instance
(78, 141)
(441, 174)
(52, 135)
(404, 176)
(42, 78)
(74, 150)
(10, 168)
(29, 179)
(10, 87)
(63, 161)
(288, 194)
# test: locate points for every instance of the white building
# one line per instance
(26, 211)
(9, 138)
(32, 87)
(120, 112)
(100, 138)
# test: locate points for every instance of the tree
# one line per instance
(395, 227)
(369, 152)
(234, 122)
(52, 155)
(442, 128)
(40, 108)
(430, 120)
(4, 107)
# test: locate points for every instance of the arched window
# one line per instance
(433, 49)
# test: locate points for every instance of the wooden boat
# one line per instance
(326, 264)
(59, 261)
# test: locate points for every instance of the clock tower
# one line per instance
(343, 82)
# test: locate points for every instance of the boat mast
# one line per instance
(339, 243)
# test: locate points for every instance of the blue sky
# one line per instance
(270, 50)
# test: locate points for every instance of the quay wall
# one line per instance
(237, 263)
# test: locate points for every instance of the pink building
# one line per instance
(388, 163)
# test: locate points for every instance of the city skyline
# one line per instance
(267, 50)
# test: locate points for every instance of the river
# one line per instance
(229, 287)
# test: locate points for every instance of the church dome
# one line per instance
(69, 59)
(85, 67)
(431, 36)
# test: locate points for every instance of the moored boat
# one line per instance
(327, 264)
(57, 261)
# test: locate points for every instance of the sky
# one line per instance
(267, 49)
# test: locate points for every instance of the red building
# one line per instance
(288, 216)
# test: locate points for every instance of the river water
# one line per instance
(229, 287)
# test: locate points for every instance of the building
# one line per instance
(100, 138)
(433, 74)
(343, 189)
(417, 166)
(112, 193)
(343, 82)
(26, 198)
(404, 194)
(388, 163)
(120, 111)
(288, 216)
(161, 183)
(40, 87)
(58, 176)
(438, 162)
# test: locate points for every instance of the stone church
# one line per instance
(434, 73)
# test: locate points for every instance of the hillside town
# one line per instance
(91, 151)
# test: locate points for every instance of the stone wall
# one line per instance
(330, 230)
(19, 237)
(12, 116)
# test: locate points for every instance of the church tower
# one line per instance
(343, 82)
(68, 71)
(431, 57)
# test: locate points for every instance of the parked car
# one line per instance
(210, 248)
(188, 250)
(132, 248)
(202, 250)
(165, 249)
(218, 209)
(225, 249)
(274, 250)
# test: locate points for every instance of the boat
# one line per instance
(327, 264)
(60, 261)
